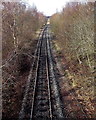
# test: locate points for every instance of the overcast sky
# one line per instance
(48, 7)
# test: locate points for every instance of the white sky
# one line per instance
(48, 7)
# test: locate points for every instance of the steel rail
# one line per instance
(54, 84)
(36, 79)
(49, 90)
(35, 83)
(21, 113)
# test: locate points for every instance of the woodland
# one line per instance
(74, 33)
(20, 31)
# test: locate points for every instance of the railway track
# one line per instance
(41, 99)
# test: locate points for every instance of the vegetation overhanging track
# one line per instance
(41, 99)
